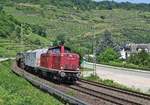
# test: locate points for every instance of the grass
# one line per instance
(71, 93)
(85, 69)
(110, 83)
(15, 90)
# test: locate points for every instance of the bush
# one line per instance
(142, 58)
(40, 30)
(7, 24)
(108, 55)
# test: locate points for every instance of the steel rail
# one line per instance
(45, 87)
(104, 96)
(128, 92)
(79, 88)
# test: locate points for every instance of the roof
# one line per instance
(142, 46)
(56, 47)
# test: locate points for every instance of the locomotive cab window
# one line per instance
(57, 50)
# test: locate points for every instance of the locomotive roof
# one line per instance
(56, 47)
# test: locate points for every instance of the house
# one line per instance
(129, 49)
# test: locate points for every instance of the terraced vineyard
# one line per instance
(77, 27)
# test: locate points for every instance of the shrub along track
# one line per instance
(82, 93)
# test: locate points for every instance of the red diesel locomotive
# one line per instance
(60, 62)
(57, 63)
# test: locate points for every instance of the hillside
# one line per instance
(75, 25)
(11, 38)
(17, 91)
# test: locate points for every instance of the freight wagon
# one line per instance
(32, 58)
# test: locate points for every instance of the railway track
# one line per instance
(47, 86)
(86, 92)
(104, 96)
(128, 92)
(60, 90)
(114, 95)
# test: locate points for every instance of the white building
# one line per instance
(129, 49)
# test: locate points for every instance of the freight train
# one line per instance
(56, 63)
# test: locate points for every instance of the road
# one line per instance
(127, 77)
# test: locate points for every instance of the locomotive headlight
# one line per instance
(61, 68)
(78, 69)
(62, 74)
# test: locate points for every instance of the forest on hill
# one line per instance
(84, 4)
(39, 23)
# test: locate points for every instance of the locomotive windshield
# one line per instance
(58, 50)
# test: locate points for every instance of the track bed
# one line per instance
(85, 92)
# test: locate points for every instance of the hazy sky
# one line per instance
(133, 1)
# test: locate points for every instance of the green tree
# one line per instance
(60, 39)
(105, 42)
(108, 55)
(7, 24)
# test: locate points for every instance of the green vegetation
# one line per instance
(127, 65)
(71, 93)
(85, 69)
(7, 24)
(108, 55)
(142, 59)
(110, 83)
(84, 5)
(135, 61)
(15, 90)
(32, 24)
(76, 20)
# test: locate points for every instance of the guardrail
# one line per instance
(90, 66)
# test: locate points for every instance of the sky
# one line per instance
(133, 1)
